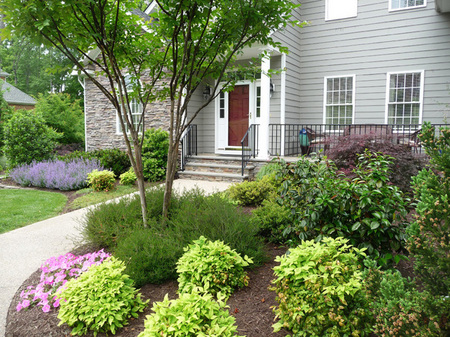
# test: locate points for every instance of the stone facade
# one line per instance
(101, 119)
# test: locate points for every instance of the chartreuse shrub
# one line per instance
(319, 288)
(367, 210)
(212, 267)
(101, 299)
(27, 138)
(252, 193)
(155, 148)
(400, 309)
(101, 180)
(429, 239)
(191, 315)
(128, 178)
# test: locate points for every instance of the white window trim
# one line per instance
(118, 126)
(341, 18)
(405, 8)
(353, 76)
(422, 86)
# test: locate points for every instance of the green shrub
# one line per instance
(62, 114)
(437, 147)
(128, 178)
(212, 266)
(113, 159)
(272, 170)
(154, 154)
(28, 139)
(5, 113)
(401, 310)
(101, 180)
(252, 193)
(190, 315)
(101, 299)
(151, 254)
(367, 210)
(319, 290)
(272, 220)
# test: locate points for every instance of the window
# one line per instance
(258, 101)
(339, 99)
(340, 9)
(404, 98)
(135, 107)
(404, 4)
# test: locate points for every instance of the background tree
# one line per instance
(5, 112)
(63, 115)
(190, 41)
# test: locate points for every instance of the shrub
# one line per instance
(401, 310)
(403, 164)
(251, 193)
(319, 290)
(55, 273)
(438, 148)
(55, 174)
(190, 315)
(272, 220)
(212, 266)
(62, 114)
(151, 254)
(5, 112)
(324, 203)
(101, 299)
(272, 170)
(112, 159)
(28, 139)
(154, 154)
(101, 180)
(128, 178)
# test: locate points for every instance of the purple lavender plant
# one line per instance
(56, 174)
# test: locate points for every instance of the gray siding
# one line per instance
(375, 42)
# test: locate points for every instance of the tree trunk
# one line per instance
(138, 170)
(172, 159)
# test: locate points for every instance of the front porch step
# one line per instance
(216, 168)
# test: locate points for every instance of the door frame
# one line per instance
(221, 124)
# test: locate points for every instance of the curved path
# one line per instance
(22, 251)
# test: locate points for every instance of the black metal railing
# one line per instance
(296, 139)
(249, 145)
(188, 144)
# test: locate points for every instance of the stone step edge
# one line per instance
(202, 156)
(213, 174)
(248, 167)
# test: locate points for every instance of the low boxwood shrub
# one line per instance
(101, 299)
(128, 178)
(252, 193)
(212, 266)
(319, 288)
(101, 180)
(400, 309)
(155, 148)
(191, 315)
(70, 175)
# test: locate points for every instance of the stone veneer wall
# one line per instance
(101, 121)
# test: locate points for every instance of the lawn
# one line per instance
(19, 208)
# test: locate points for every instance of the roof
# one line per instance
(12, 95)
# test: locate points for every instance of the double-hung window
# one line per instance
(135, 109)
(339, 100)
(404, 98)
(405, 4)
(340, 9)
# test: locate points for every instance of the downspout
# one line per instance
(283, 102)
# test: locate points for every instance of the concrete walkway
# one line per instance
(22, 251)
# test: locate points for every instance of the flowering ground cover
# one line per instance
(55, 272)
(56, 174)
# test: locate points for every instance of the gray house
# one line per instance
(14, 97)
(383, 64)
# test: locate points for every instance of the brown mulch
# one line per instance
(251, 306)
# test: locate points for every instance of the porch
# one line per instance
(290, 141)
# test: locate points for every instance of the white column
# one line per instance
(283, 101)
(265, 110)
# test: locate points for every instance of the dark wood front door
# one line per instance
(238, 114)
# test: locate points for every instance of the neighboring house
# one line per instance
(14, 97)
(356, 62)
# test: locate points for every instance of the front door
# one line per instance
(238, 105)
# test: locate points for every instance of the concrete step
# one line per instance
(212, 176)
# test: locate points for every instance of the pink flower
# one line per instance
(19, 307)
(46, 308)
(25, 304)
(56, 304)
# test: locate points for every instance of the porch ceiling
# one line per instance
(443, 6)
(255, 51)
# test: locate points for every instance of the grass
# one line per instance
(89, 197)
(23, 207)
